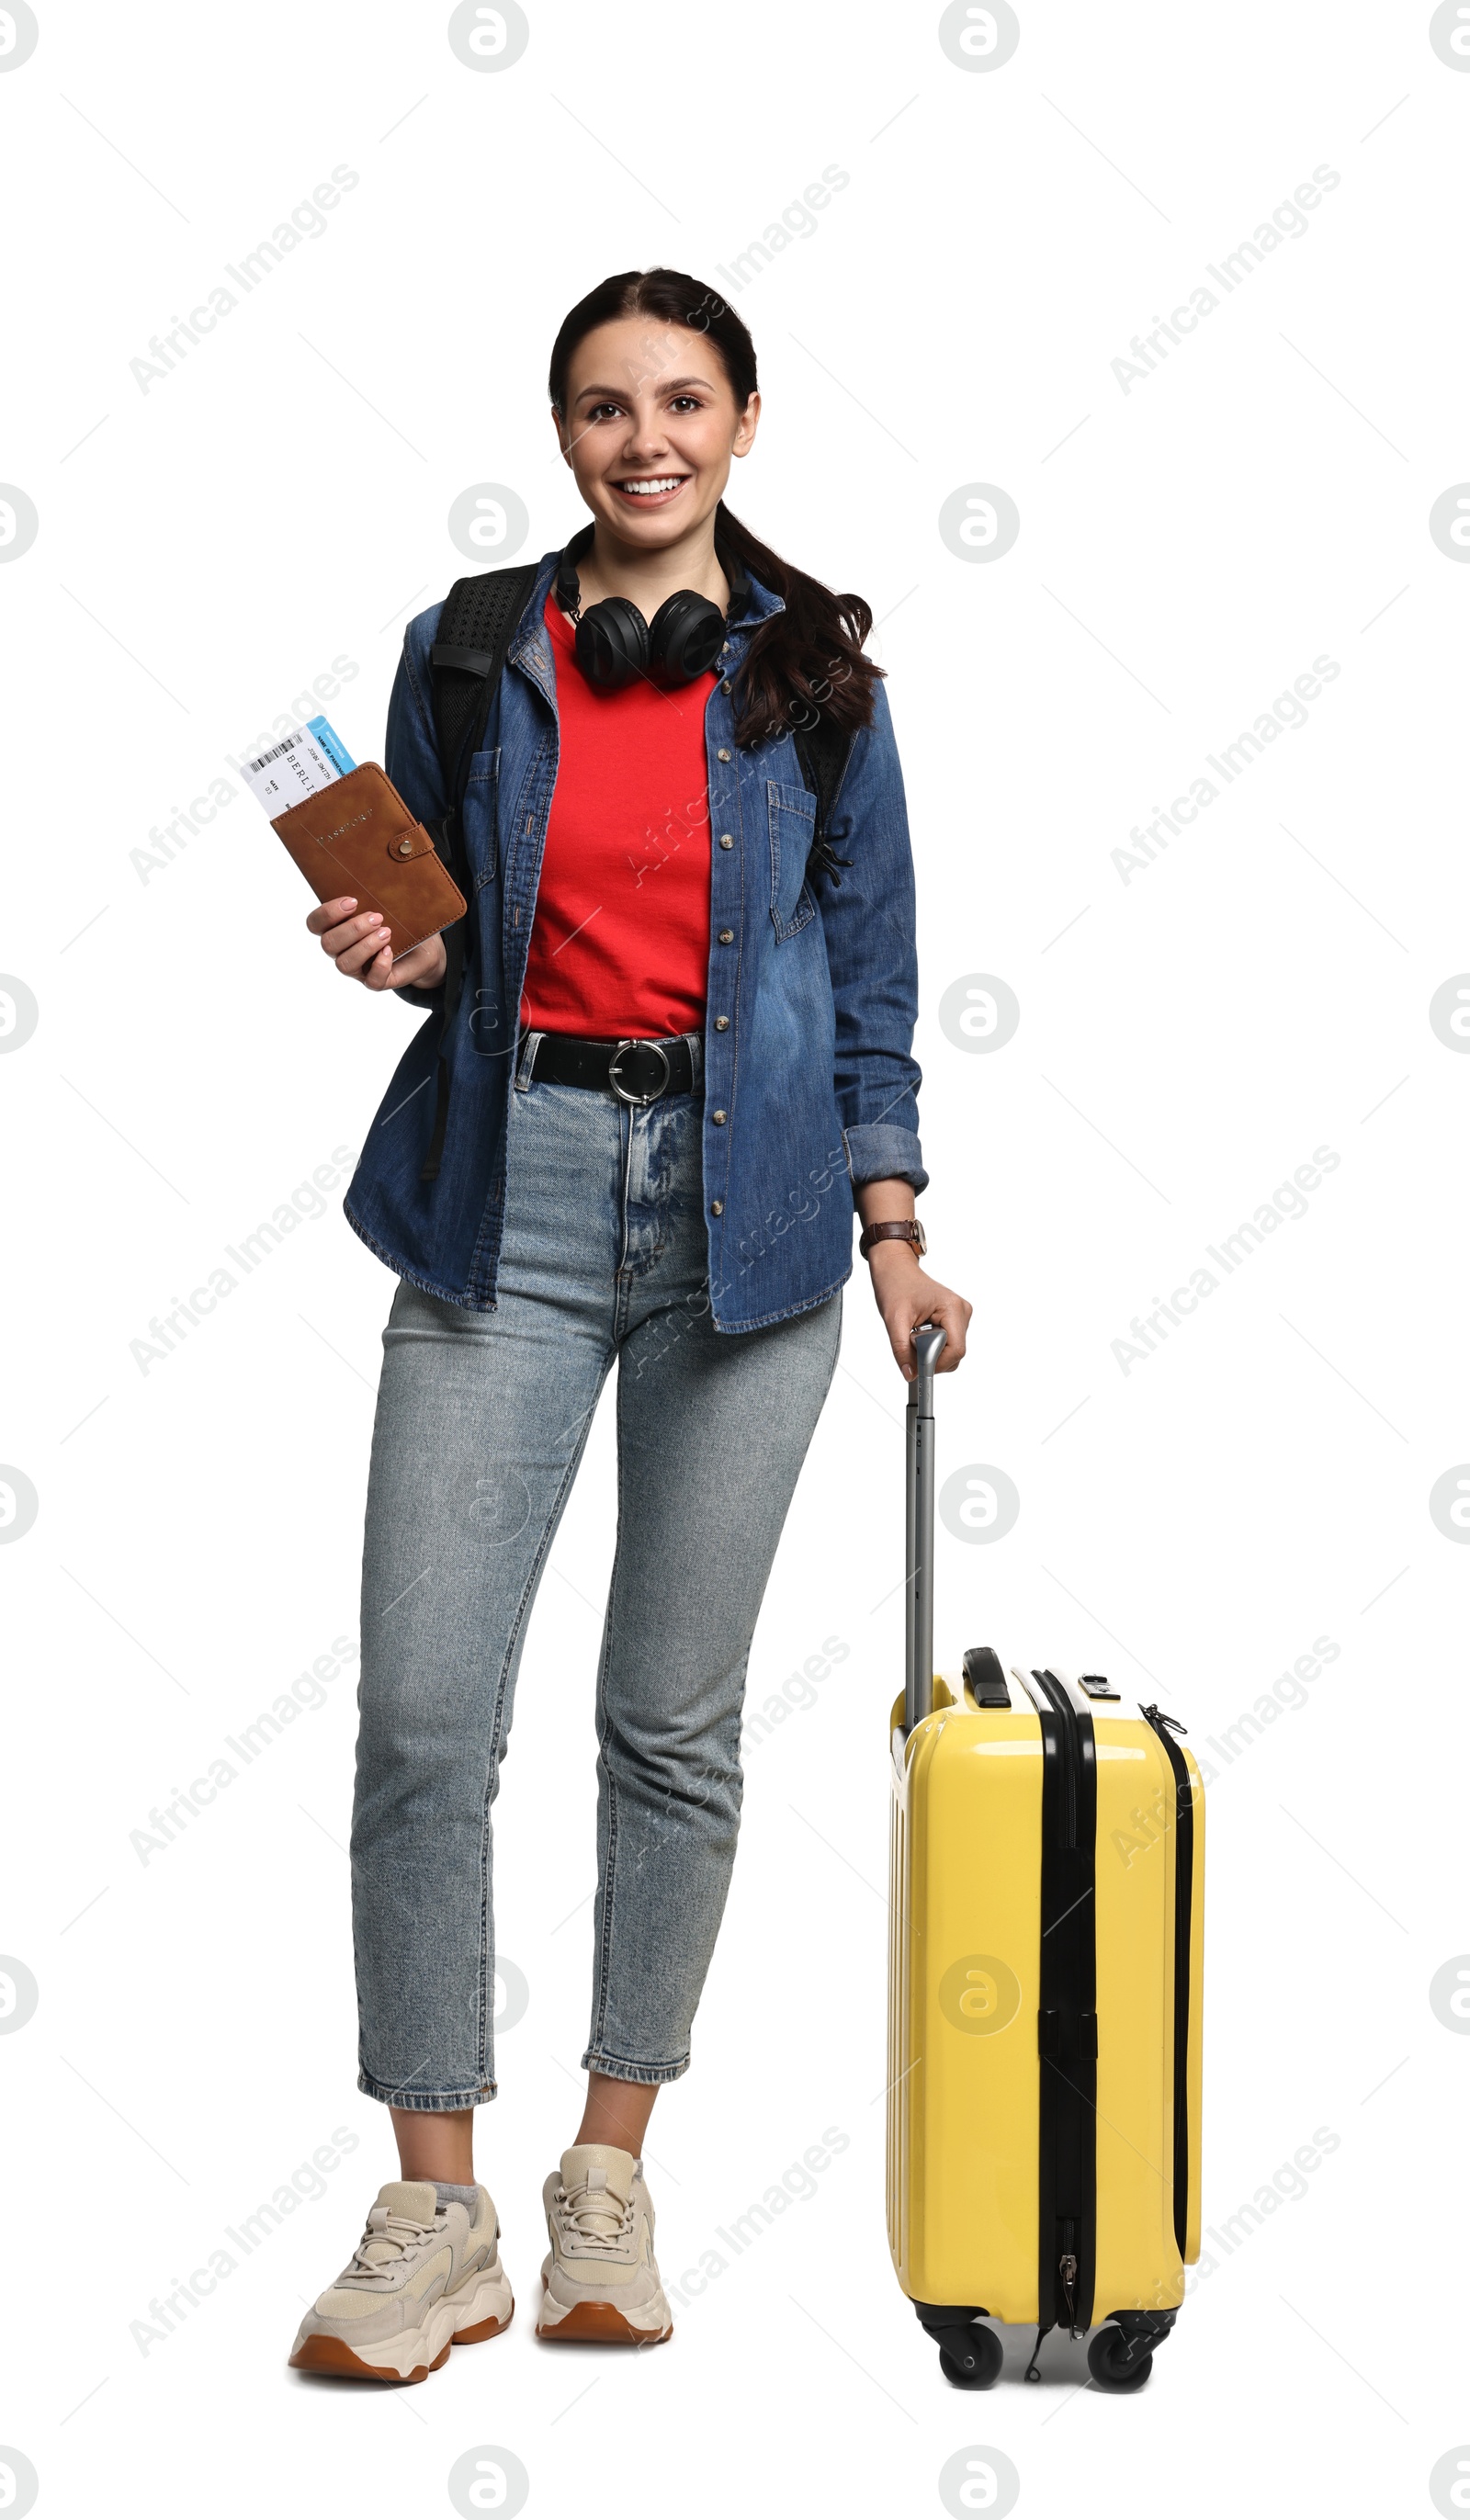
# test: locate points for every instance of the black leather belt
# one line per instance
(636, 1071)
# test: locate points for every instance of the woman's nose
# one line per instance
(646, 438)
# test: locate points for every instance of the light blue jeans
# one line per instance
(480, 1426)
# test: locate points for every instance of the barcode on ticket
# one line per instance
(302, 763)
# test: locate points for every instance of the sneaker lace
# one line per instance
(382, 2245)
(584, 2209)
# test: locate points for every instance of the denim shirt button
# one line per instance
(719, 1118)
(716, 1207)
(727, 935)
(722, 754)
(722, 1023)
(727, 839)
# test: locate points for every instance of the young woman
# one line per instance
(679, 1059)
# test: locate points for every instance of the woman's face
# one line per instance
(650, 428)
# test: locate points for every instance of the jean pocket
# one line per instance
(793, 813)
(480, 817)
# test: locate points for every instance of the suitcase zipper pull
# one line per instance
(1032, 2371)
(1156, 1717)
(1066, 2267)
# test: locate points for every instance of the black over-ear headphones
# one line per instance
(615, 645)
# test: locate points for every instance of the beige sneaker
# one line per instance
(423, 2277)
(601, 2279)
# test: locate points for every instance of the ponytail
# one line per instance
(806, 662)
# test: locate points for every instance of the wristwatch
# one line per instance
(896, 1229)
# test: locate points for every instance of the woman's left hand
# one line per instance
(906, 1295)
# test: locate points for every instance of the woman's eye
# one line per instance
(684, 402)
(600, 410)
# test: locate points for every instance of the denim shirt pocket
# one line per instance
(792, 814)
(481, 811)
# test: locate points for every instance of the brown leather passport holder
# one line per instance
(357, 836)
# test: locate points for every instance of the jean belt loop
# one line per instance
(696, 1041)
(530, 1043)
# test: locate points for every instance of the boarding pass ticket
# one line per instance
(311, 757)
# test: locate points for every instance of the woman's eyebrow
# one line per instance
(619, 393)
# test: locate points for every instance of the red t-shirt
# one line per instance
(620, 946)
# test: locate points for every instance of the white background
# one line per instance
(1188, 1038)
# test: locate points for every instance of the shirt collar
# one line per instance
(531, 647)
(759, 606)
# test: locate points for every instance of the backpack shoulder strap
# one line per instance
(823, 750)
(480, 619)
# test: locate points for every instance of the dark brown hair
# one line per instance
(808, 659)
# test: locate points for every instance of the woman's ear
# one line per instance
(746, 426)
(563, 443)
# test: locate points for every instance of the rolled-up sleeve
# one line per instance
(868, 920)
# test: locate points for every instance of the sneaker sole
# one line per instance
(597, 2322)
(332, 2357)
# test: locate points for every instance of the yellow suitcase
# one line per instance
(1047, 1943)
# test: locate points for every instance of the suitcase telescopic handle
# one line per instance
(919, 1555)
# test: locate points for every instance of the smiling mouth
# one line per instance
(657, 485)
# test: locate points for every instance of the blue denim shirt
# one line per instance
(814, 1072)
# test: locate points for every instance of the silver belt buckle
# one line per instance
(640, 1101)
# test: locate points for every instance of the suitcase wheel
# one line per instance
(1119, 2364)
(969, 2358)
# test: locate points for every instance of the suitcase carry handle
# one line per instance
(919, 1531)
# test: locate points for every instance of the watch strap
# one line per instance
(894, 1229)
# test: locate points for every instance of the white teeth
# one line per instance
(650, 489)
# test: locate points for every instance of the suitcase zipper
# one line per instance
(1068, 1747)
(1068, 2023)
(1066, 2269)
(1166, 1725)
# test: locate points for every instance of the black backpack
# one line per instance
(480, 618)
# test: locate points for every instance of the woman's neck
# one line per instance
(647, 578)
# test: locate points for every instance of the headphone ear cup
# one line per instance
(612, 643)
(684, 637)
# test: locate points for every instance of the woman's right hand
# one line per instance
(361, 949)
